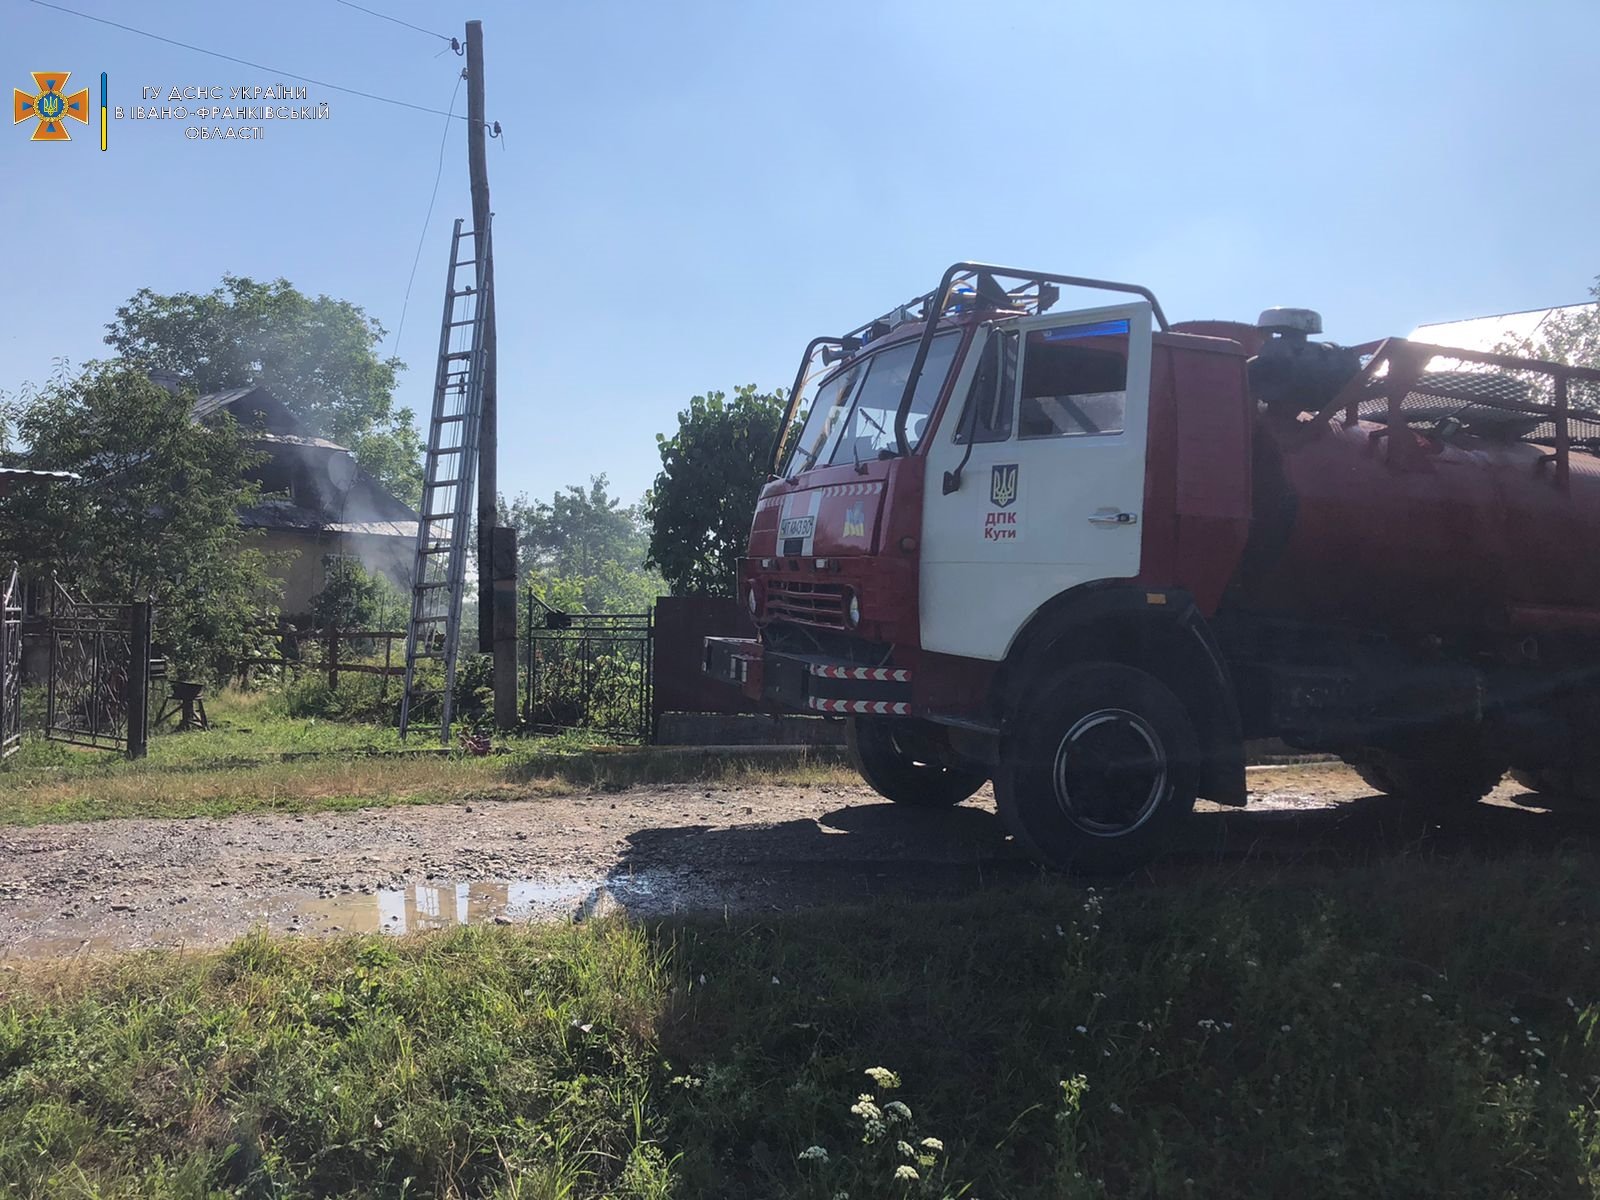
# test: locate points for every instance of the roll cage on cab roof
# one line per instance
(966, 287)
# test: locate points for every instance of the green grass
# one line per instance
(256, 759)
(1409, 1029)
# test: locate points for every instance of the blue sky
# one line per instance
(687, 192)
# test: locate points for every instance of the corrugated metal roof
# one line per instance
(1487, 333)
(281, 514)
(213, 402)
(399, 529)
(290, 439)
(286, 514)
(31, 473)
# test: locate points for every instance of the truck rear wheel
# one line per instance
(1101, 772)
(901, 760)
(1447, 773)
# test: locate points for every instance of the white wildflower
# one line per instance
(883, 1077)
(1427, 999)
(906, 1149)
(813, 1154)
(1083, 1029)
(1116, 1108)
(1286, 1028)
(775, 981)
(932, 1143)
(1337, 986)
(897, 1111)
(1516, 1020)
(906, 1174)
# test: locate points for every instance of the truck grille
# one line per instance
(808, 603)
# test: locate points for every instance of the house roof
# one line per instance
(270, 424)
(290, 439)
(21, 474)
(1488, 333)
(215, 402)
(287, 515)
(274, 415)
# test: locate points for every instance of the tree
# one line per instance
(156, 513)
(712, 470)
(584, 549)
(1572, 337)
(355, 598)
(318, 355)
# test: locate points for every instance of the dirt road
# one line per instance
(121, 884)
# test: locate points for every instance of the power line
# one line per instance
(423, 236)
(246, 62)
(386, 17)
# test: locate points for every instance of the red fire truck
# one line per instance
(1087, 554)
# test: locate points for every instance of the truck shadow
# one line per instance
(877, 850)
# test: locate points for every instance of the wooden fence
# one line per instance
(333, 652)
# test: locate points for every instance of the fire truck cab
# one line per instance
(991, 540)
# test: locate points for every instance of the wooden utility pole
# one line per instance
(497, 604)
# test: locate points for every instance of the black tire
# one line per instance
(900, 759)
(1449, 773)
(1101, 772)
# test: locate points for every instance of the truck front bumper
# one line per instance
(806, 683)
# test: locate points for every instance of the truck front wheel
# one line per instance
(1100, 771)
(901, 760)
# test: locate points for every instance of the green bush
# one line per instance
(360, 696)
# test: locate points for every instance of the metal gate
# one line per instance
(99, 687)
(11, 666)
(587, 671)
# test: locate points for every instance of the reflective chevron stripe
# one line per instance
(870, 674)
(875, 708)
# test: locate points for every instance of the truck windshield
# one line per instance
(852, 417)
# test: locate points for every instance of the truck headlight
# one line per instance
(852, 610)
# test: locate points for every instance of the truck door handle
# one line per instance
(1110, 516)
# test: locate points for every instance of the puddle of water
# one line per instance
(424, 906)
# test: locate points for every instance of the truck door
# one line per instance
(1051, 431)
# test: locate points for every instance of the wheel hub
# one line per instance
(1110, 772)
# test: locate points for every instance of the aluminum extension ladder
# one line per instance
(444, 523)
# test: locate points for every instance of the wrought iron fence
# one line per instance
(99, 683)
(11, 666)
(587, 671)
